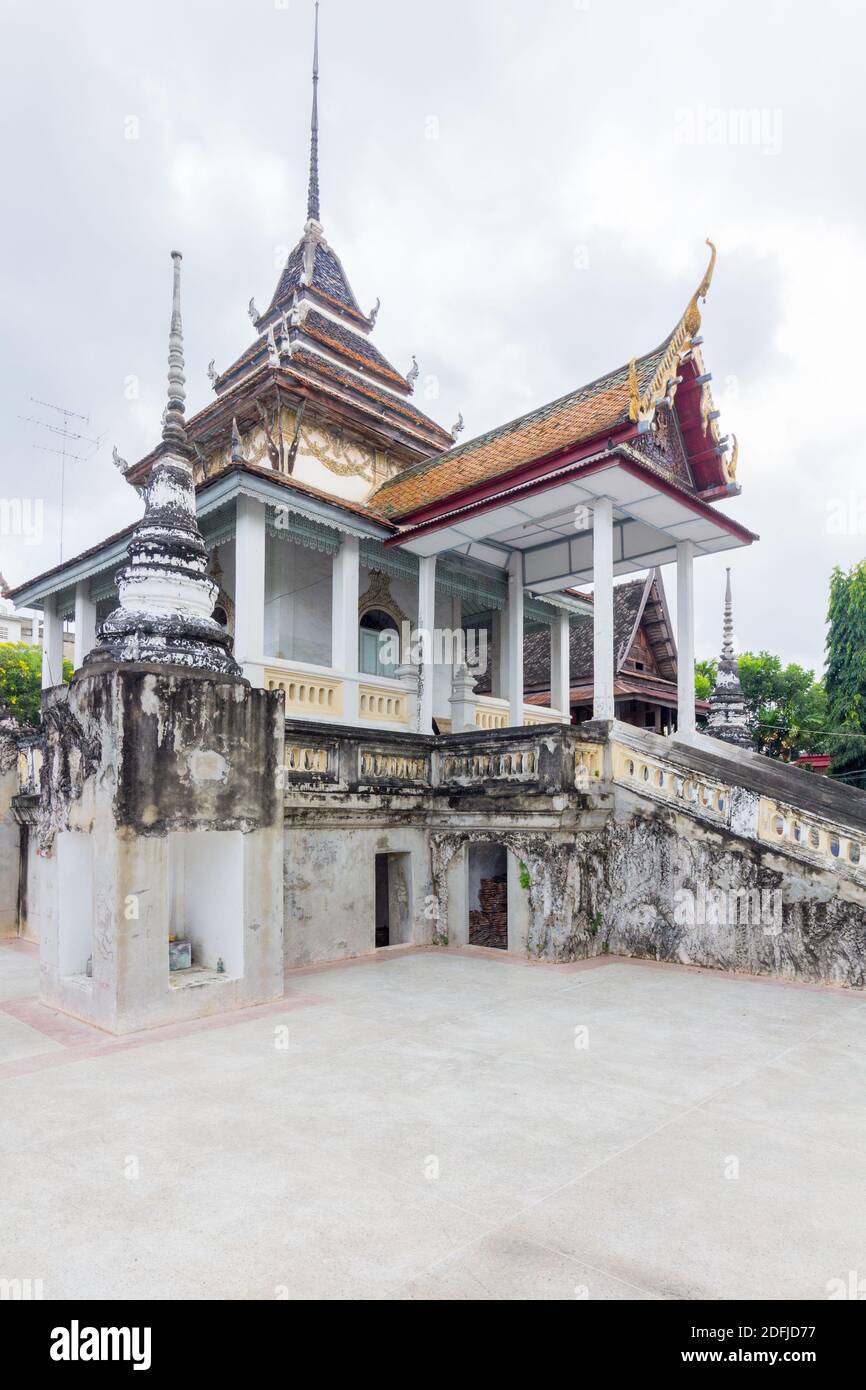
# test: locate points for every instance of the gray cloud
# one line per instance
(526, 187)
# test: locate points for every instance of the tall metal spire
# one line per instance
(313, 191)
(173, 423)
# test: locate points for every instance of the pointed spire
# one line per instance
(313, 191)
(174, 423)
(728, 624)
(729, 715)
(165, 595)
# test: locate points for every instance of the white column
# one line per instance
(499, 657)
(602, 609)
(52, 645)
(344, 622)
(560, 661)
(685, 638)
(249, 648)
(85, 622)
(514, 688)
(462, 696)
(426, 625)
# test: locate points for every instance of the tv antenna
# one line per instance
(69, 433)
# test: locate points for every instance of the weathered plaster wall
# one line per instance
(666, 889)
(9, 837)
(612, 858)
(330, 888)
(139, 762)
(30, 926)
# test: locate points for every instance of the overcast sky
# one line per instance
(527, 187)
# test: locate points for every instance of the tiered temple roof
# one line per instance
(662, 396)
(314, 353)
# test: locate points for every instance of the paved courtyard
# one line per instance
(442, 1124)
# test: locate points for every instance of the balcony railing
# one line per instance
(781, 808)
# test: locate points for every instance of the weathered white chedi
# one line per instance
(159, 818)
(728, 718)
(166, 597)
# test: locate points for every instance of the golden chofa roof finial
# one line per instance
(730, 465)
(633, 393)
(692, 316)
(684, 339)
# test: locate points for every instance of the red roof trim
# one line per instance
(547, 474)
(470, 498)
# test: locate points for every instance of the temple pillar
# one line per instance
(249, 646)
(426, 627)
(52, 644)
(603, 706)
(85, 622)
(344, 622)
(685, 638)
(514, 645)
(560, 663)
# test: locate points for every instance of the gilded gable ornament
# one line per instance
(347, 458)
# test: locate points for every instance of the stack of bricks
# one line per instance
(488, 923)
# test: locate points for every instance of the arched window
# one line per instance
(377, 652)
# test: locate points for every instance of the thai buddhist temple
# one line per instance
(353, 683)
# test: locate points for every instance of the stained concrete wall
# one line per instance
(136, 762)
(518, 906)
(37, 873)
(330, 889)
(606, 868)
(663, 888)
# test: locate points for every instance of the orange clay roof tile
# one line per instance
(572, 419)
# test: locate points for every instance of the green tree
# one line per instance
(787, 706)
(21, 680)
(705, 678)
(846, 668)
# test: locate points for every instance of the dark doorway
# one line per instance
(383, 922)
(488, 896)
(393, 899)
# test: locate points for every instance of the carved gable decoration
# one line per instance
(378, 595)
(663, 445)
(346, 457)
